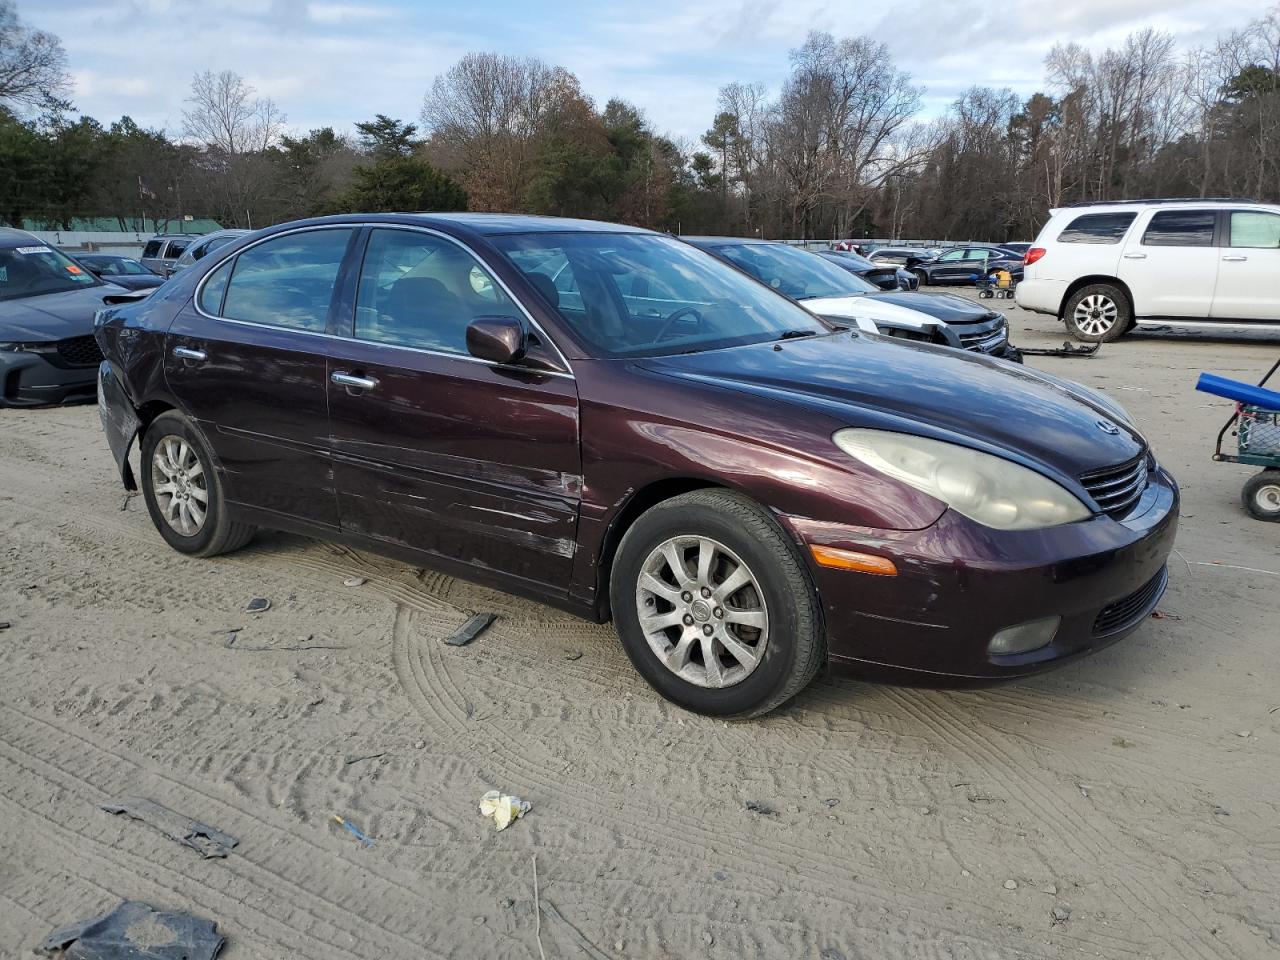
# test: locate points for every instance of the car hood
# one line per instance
(53, 316)
(901, 307)
(949, 395)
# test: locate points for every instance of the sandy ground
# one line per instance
(1135, 793)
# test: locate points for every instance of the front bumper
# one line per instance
(34, 378)
(959, 583)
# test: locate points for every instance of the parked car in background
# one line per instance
(1017, 247)
(47, 303)
(204, 246)
(905, 257)
(1103, 268)
(654, 438)
(122, 271)
(162, 251)
(966, 265)
(850, 246)
(883, 275)
(833, 292)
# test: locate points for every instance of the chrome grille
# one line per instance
(79, 351)
(1116, 489)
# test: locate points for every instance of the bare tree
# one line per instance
(33, 65)
(225, 115)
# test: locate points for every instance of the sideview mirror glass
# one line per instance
(496, 339)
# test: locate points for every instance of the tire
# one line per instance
(1261, 495)
(775, 615)
(177, 469)
(1098, 313)
(922, 278)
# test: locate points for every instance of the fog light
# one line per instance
(1024, 637)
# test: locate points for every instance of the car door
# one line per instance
(948, 267)
(1170, 263)
(1248, 285)
(434, 449)
(247, 358)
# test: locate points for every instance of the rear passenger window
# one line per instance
(1180, 228)
(419, 290)
(1255, 230)
(152, 249)
(286, 281)
(213, 289)
(1097, 228)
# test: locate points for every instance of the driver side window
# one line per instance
(420, 290)
(951, 256)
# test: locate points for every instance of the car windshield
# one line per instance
(642, 295)
(797, 273)
(35, 269)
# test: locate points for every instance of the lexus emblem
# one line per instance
(1106, 426)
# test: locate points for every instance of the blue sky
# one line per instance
(334, 62)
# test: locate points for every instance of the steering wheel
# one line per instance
(673, 318)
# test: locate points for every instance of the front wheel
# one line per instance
(715, 607)
(1098, 313)
(1261, 495)
(922, 278)
(183, 492)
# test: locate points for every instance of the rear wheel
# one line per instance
(1261, 495)
(183, 492)
(714, 606)
(1098, 313)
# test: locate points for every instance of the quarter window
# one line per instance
(177, 246)
(420, 290)
(1180, 228)
(213, 289)
(286, 281)
(1255, 230)
(152, 249)
(1097, 228)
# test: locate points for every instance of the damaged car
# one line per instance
(746, 490)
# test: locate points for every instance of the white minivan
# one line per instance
(1103, 268)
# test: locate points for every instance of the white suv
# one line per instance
(1103, 268)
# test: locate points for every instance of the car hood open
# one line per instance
(929, 391)
(53, 316)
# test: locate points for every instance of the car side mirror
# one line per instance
(496, 339)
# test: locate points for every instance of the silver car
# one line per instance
(204, 246)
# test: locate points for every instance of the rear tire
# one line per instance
(765, 635)
(183, 491)
(1261, 495)
(1098, 313)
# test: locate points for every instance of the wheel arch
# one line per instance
(1081, 282)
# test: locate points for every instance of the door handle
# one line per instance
(1135, 256)
(186, 353)
(344, 379)
(1235, 258)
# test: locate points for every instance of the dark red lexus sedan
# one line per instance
(612, 421)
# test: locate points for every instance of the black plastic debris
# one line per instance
(136, 931)
(471, 629)
(208, 841)
(5, 624)
(258, 605)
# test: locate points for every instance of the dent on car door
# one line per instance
(434, 450)
(247, 360)
(1248, 286)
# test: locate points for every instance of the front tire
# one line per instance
(714, 606)
(183, 491)
(1261, 495)
(922, 278)
(1098, 313)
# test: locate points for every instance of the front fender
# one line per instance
(120, 421)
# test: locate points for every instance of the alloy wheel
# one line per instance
(702, 611)
(179, 485)
(1096, 314)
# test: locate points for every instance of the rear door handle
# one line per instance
(344, 379)
(1135, 256)
(1236, 258)
(186, 353)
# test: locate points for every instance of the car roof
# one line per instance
(1180, 203)
(490, 224)
(727, 241)
(176, 236)
(9, 237)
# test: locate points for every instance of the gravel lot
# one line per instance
(1123, 807)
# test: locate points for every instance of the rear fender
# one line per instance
(120, 421)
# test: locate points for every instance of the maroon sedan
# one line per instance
(611, 421)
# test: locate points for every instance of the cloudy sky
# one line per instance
(334, 62)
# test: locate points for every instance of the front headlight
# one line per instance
(992, 491)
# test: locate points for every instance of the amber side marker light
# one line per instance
(849, 560)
